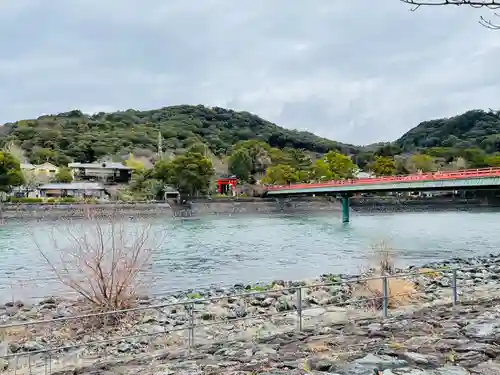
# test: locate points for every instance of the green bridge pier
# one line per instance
(344, 198)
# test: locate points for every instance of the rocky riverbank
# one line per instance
(342, 330)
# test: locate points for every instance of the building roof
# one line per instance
(27, 166)
(46, 164)
(104, 165)
(73, 186)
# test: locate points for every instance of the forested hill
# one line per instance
(80, 137)
(473, 129)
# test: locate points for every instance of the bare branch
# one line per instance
(101, 258)
(489, 4)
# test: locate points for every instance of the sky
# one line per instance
(358, 71)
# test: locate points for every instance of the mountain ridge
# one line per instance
(76, 136)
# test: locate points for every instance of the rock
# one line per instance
(123, 347)
(452, 370)
(267, 302)
(148, 319)
(48, 301)
(32, 346)
(487, 368)
(483, 330)
(420, 359)
(381, 362)
(4, 364)
(11, 311)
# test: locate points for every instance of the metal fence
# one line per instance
(49, 359)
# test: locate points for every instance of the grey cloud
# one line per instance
(350, 71)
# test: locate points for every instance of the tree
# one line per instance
(189, 173)
(340, 166)
(241, 164)
(16, 151)
(420, 163)
(493, 160)
(281, 174)
(133, 163)
(321, 171)
(490, 4)
(10, 172)
(100, 260)
(384, 166)
(64, 175)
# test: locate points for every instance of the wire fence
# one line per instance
(47, 346)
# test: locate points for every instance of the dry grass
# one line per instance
(401, 291)
(430, 273)
(101, 258)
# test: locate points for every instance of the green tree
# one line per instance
(420, 162)
(42, 155)
(64, 175)
(321, 171)
(241, 164)
(298, 158)
(493, 160)
(341, 166)
(281, 174)
(384, 166)
(10, 172)
(133, 163)
(190, 173)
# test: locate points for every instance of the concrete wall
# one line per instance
(255, 206)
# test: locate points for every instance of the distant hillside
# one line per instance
(85, 138)
(473, 129)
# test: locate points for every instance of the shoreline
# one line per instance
(238, 207)
(162, 322)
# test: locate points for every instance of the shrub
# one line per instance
(68, 200)
(400, 291)
(102, 259)
(26, 200)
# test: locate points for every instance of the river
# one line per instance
(229, 250)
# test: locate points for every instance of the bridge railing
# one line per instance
(466, 173)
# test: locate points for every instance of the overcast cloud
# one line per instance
(344, 69)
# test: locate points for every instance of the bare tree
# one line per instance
(490, 4)
(101, 257)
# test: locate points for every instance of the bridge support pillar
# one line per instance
(345, 208)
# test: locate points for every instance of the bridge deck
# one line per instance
(472, 178)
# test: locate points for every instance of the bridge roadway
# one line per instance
(469, 179)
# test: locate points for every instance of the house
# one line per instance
(45, 170)
(73, 189)
(106, 172)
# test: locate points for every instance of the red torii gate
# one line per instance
(226, 181)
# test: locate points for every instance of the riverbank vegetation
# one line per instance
(103, 259)
(188, 147)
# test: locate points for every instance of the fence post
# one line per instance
(191, 326)
(299, 308)
(454, 286)
(385, 288)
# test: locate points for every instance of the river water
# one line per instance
(229, 250)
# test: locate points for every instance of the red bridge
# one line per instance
(473, 179)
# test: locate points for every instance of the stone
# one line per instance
(123, 347)
(381, 362)
(419, 359)
(483, 330)
(32, 346)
